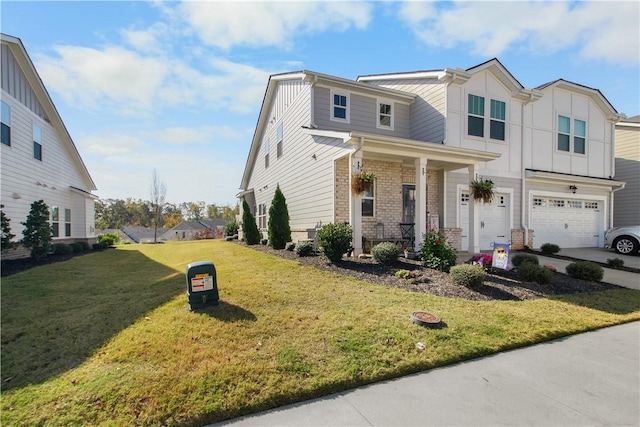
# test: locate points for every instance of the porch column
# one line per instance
(420, 227)
(474, 215)
(355, 204)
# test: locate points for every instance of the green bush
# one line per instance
(530, 272)
(99, 246)
(108, 239)
(549, 249)
(469, 275)
(76, 247)
(519, 259)
(385, 253)
(615, 262)
(304, 248)
(585, 270)
(61, 249)
(231, 228)
(437, 252)
(290, 246)
(403, 274)
(84, 245)
(334, 240)
(6, 231)
(249, 227)
(36, 235)
(278, 229)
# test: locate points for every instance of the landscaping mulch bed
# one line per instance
(499, 284)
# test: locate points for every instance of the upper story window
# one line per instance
(385, 115)
(476, 118)
(37, 142)
(265, 142)
(6, 124)
(279, 140)
(565, 133)
(368, 201)
(340, 106)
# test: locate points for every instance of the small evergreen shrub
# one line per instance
(278, 229)
(549, 249)
(98, 246)
(84, 245)
(231, 228)
(530, 272)
(304, 248)
(519, 259)
(385, 253)
(249, 226)
(6, 231)
(585, 270)
(36, 235)
(290, 246)
(76, 248)
(108, 239)
(469, 275)
(437, 252)
(615, 262)
(61, 249)
(334, 240)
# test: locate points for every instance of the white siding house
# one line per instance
(426, 136)
(38, 157)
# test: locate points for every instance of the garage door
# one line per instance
(569, 223)
(494, 221)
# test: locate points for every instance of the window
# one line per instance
(385, 115)
(6, 124)
(564, 133)
(67, 222)
(497, 123)
(476, 116)
(368, 201)
(55, 217)
(266, 152)
(37, 142)
(591, 205)
(340, 107)
(575, 204)
(279, 141)
(579, 136)
(262, 216)
(555, 203)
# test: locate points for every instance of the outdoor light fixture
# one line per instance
(573, 188)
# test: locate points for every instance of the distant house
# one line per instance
(143, 234)
(210, 228)
(39, 159)
(427, 136)
(627, 201)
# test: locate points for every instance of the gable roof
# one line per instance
(601, 101)
(26, 65)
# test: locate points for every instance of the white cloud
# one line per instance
(111, 145)
(194, 135)
(225, 24)
(597, 30)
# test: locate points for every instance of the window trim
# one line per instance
(55, 221)
(498, 120)
(372, 198)
(37, 141)
(475, 115)
(487, 118)
(391, 114)
(572, 134)
(332, 106)
(265, 143)
(5, 119)
(67, 222)
(279, 139)
(262, 216)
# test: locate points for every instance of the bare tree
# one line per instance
(158, 193)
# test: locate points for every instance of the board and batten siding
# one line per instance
(363, 113)
(627, 201)
(15, 83)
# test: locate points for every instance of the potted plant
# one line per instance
(409, 253)
(482, 189)
(361, 182)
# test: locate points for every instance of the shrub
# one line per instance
(585, 270)
(61, 249)
(385, 253)
(231, 228)
(403, 274)
(278, 229)
(249, 226)
(290, 246)
(108, 239)
(437, 252)
(469, 275)
(519, 259)
(304, 248)
(615, 262)
(549, 249)
(99, 246)
(530, 272)
(6, 231)
(84, 245)
(36, 235)
(334, 240)
(75, 247)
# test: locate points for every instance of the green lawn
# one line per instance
(107, 338)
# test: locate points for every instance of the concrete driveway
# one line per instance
(601, 255)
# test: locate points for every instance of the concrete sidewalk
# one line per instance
(590, 379)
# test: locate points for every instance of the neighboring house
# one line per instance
(425, 136)
(626, 209)
(39, 159)
(139, 234)
(191, 230)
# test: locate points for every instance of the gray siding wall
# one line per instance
(428, 111)
(363, 113)
(627, 201)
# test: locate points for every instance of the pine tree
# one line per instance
(6, 231)
(279, 231)
(250, 230)
(37, 231)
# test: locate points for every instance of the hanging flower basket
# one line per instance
(361, 182)
(482, 189)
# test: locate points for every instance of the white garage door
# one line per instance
(494, 221)
(569, 223)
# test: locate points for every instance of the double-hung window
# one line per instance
(279, 140)
(6, 123)
(265, 142)
(565, 133)
(37, 142)
(67, 222)
(579, 136)
(385, 115)
(368, 201)
(497, 122)
(55, 221)
(262, 216)
(476, 118)
(475, 122)
(340, 107)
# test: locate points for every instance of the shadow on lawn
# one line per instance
(227, 312)
(605, 301)
(55, 317)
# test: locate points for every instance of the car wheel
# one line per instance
(625, 245)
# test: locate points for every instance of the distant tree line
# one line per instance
(118, 213)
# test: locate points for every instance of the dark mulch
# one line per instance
(499, 284)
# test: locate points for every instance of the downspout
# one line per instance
(312, 100)
(613, 170)
(523, 200)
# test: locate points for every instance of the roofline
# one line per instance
(501, 65)
(424, 74)
(587, 90)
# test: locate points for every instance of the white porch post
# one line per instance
(355, 204)
(420, 220)
(474, 214)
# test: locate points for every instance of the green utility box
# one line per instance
(202, 286)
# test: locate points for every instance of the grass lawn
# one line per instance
(107, 338)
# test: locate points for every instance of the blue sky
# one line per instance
(177, 86)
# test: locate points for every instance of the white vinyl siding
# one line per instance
(6, 124)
